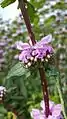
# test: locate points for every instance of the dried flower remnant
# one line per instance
(42, 51)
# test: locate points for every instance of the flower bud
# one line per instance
(35, 59)
(48, 56)
(2, 92)
(42, 60)
(29, 64)
(46, 60)
(26, 66)
(31, 58)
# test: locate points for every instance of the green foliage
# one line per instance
(31, 8)
(60, 5)
(1, 116)
(3, 112)
(2, 109)
(21, 86)
(5, 3)
(17, 70)
(50, 21)
(38, 4)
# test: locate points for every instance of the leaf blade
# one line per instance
(5, 3)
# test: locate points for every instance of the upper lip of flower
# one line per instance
(44, 41)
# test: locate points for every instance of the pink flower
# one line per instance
(22, 46)
(25, 55)
(38, 51)
(35, 113)
(54, 109)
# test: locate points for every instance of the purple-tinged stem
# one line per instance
(45, 91)
(27, 20)
(41, 70)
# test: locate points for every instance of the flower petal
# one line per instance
(46, 39)
(21, 46)
(57, 110)
(22, 58)
(35, 114)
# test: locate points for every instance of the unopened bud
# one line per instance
(46, 60)
(35, 59)
(42, 60)
(2, 91)
(29, 64)
(48, 56)
(31, 58)
(26, 66)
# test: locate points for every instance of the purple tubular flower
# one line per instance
(35, 113)
(38, 51)
(44, 41)
(42, 52)
(22, 46)
(25, 51)
(25, 55)
(55, 111)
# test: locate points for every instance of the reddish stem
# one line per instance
(27, 20)
(41, 70)
(45, 91)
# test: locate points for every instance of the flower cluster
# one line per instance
(2, 92)
(42, 50)
(54, 109)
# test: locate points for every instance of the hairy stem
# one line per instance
(45, 91)
(41, 70)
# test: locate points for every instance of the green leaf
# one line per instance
(38, 3)
(36, 20)
(5, 3)
(52, 71)
(1, 116)
(60, 5)
(2, 109)
(50, 20)
(17, 70)
(22, 87)
(31, 11)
